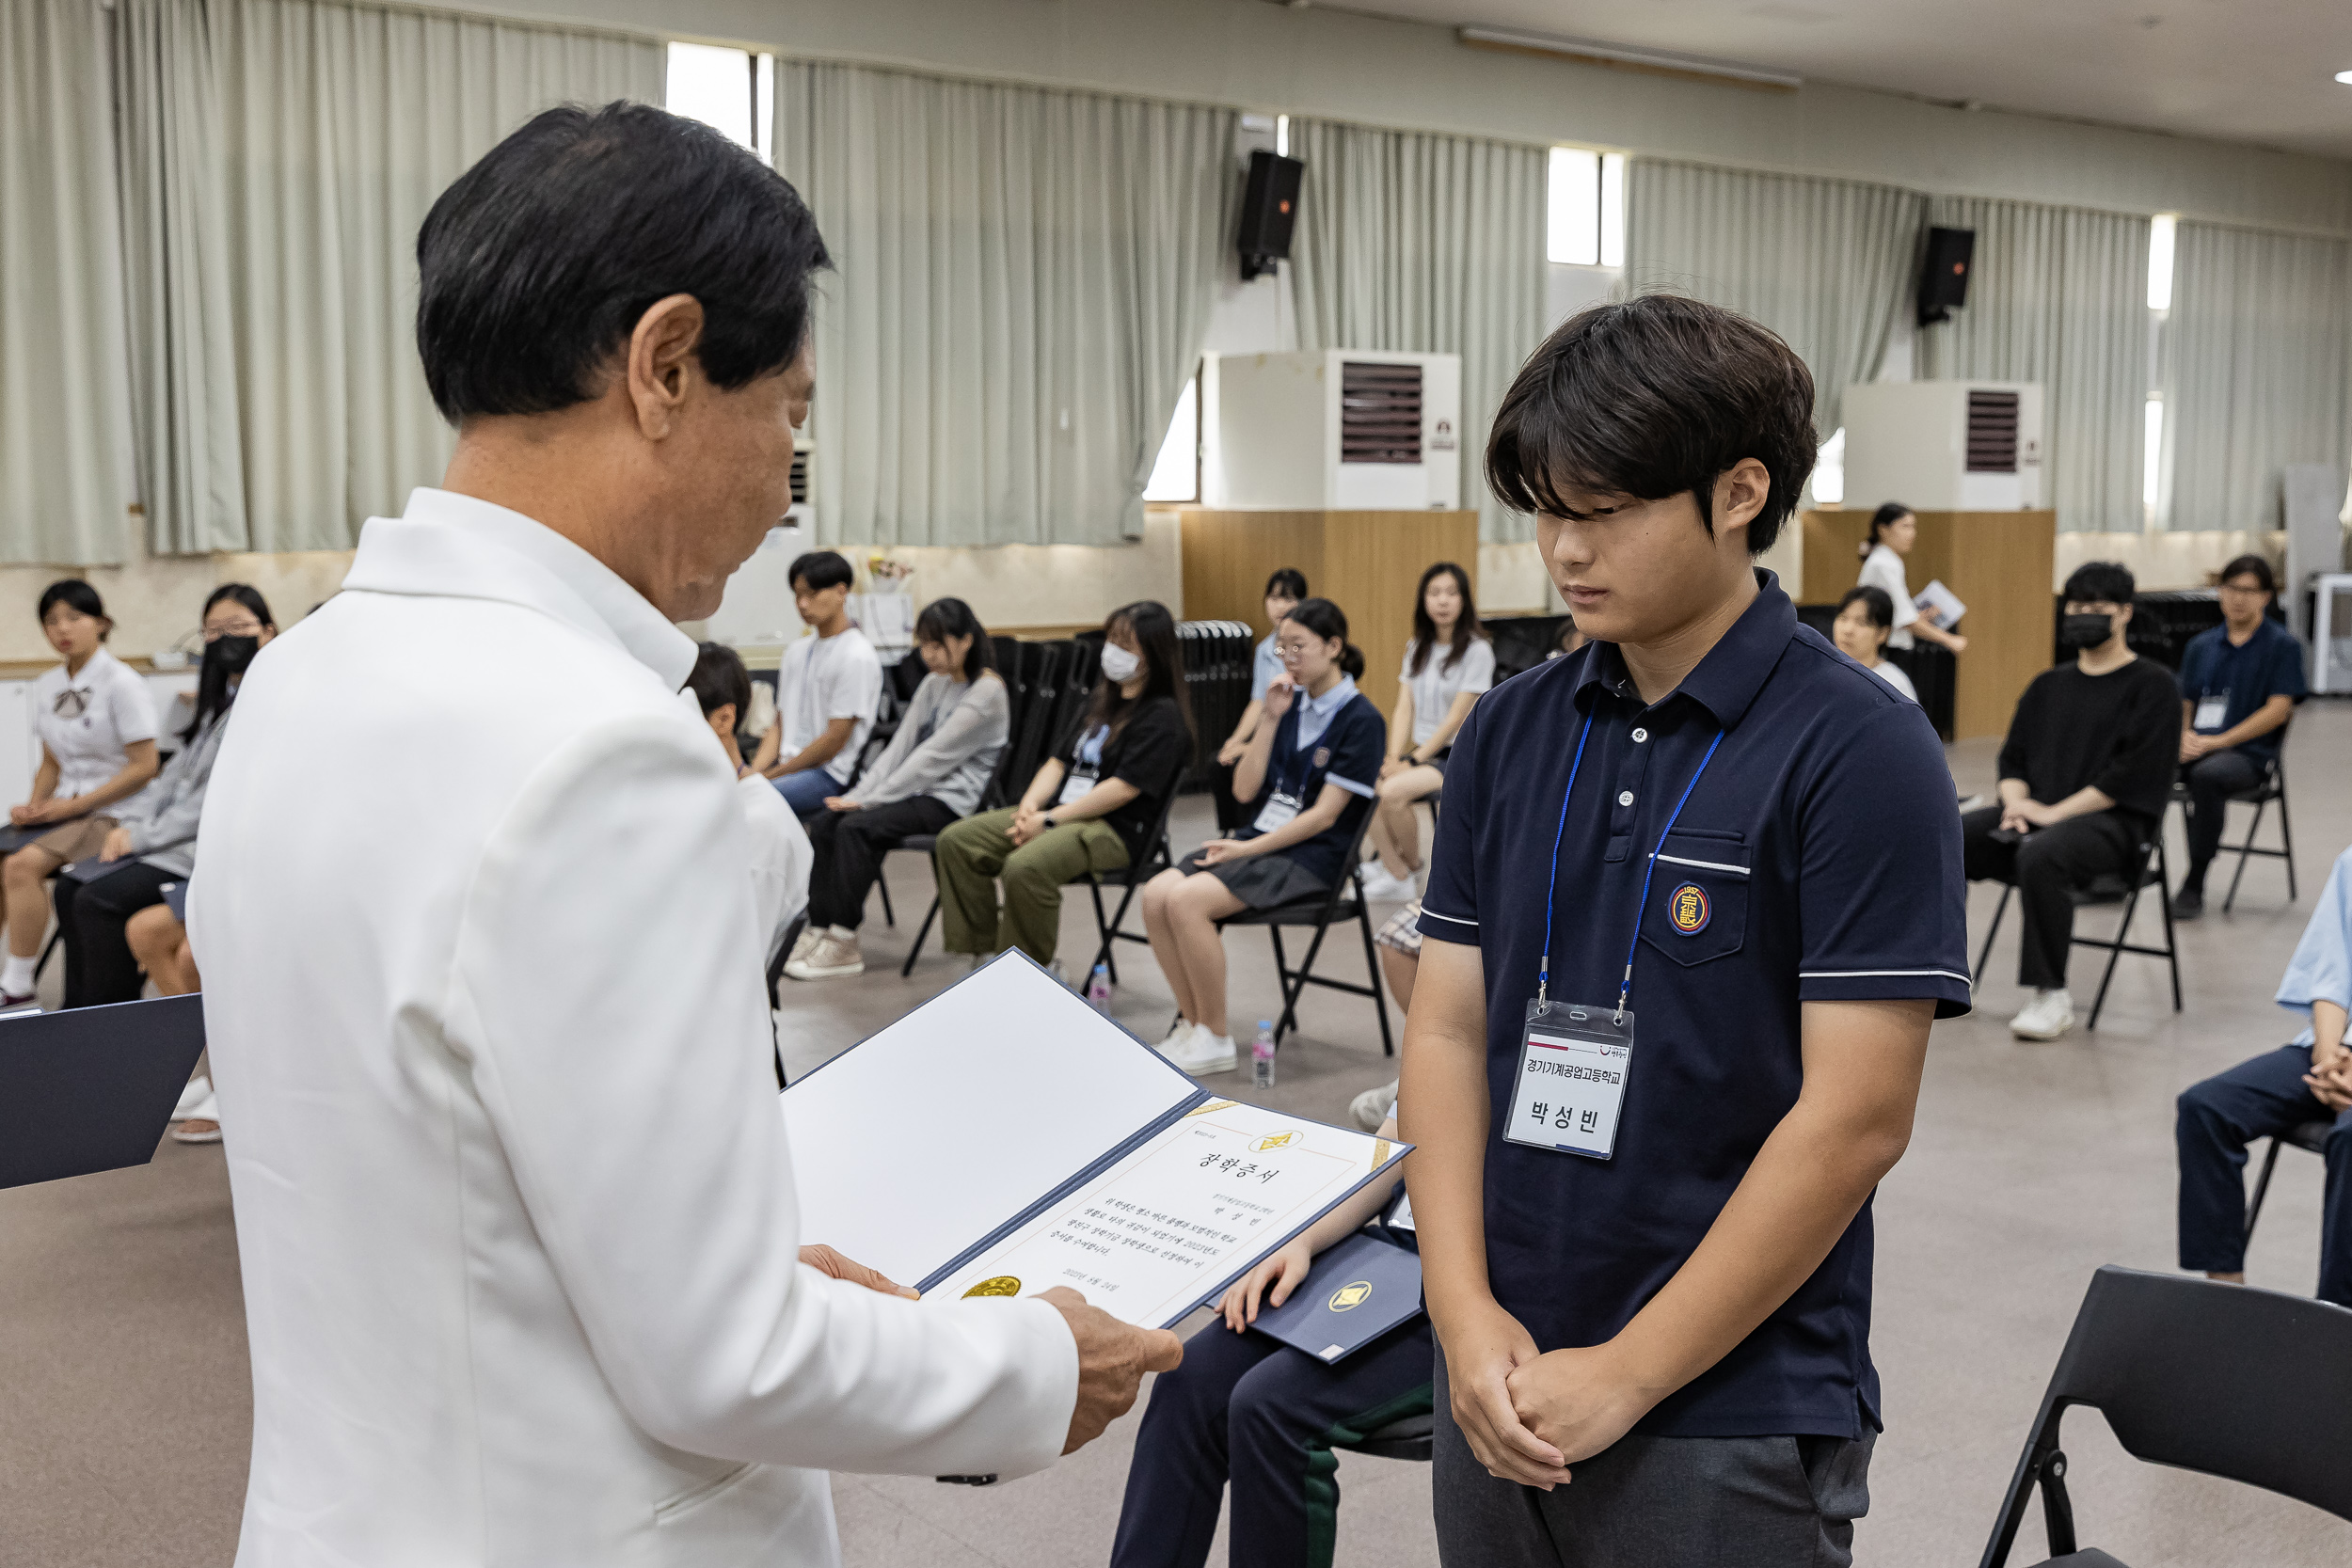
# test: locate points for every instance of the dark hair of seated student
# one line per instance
(1874, 603)
(943, 619)
(1286, 582)
(719, 678)
(2244, 566)
(821, 569)
(226, 658)
(1153, 630)
(1466, 628)
(78, 597)
(2101, 582)
(1329, 621)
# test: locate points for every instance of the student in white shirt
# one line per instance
(828, 688)
(96, 721)
(1448, 666)
(781, 856)
(1892, 532)
(1865, 618)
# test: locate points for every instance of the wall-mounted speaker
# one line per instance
(1943, 274)
(1269, 206)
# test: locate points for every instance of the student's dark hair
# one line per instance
(75, 595)
(214, 690)
(1155, 632)
(534, 267)
(1889, 512)
(1875, 603)
(1465, 628)
(719, 678)
(1327, 621)
(2254, 566)
(945, 618)
(822, 568)
(1650, 397)
(2100, 582)
(1289, 581)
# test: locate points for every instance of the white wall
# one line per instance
(155, 601)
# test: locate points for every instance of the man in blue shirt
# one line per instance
(1695, 897)
(2239, 684)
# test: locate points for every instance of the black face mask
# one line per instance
(2085, 631)
(231, 654)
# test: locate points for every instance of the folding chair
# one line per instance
(2224, 1380)
(1344, 899)
(2153, 871)
(1407, 1437)
(1156, 858)
(2311, 1136)
(2273, 787)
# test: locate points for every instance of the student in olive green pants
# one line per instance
(1089, 807)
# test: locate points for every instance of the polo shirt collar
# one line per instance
(457, 546)
(1726, 681)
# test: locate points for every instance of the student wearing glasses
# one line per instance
(96, 721)
(2239, 684)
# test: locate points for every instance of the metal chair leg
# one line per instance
(40, 963)
(1984, 955)
(2164, 902)
(2261, 1189)
(915, 948)
(890, 917)
(2115, 956)
(2245, 850)
(1102, 931)
(1282, 972)
(1372, 967)
(2286, 833)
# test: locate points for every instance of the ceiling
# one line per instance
(2249, 70)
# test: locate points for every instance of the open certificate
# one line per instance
(1004, 1139)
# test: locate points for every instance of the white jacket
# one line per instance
(514, 1204)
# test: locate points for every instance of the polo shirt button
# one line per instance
(1640, 735)
(1625, 799)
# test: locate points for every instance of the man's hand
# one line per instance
(1481, 1355)
(1579, 1401)
(1112, 1358)
(1218, 850)
(827, 1262)
(1274, 1280)
(117, 845)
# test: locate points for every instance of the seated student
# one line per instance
(2239, 684)
(780, 849)
(1091, 806)
(1865, 618)
(96, 721)
(2084, 775)
(934, 771)
(828, 689)
(1568, 640)
(1308, 778)
(1247, 1410)
(156, 831)
(1283, 589)
(159, 941)
(2310, 1079)
(1448, 665)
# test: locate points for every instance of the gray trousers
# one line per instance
(1656, 1502)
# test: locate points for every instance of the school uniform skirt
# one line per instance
(1260, 882)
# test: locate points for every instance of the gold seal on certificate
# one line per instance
(1352, 1294)
(1002, 1285)
(1275, 1140)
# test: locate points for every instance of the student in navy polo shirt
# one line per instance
(2239, 684)
(1310, 777)
(1695, 896)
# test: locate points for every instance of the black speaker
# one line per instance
(1269, 205)
(1943, 274)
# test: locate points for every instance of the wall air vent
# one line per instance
(1379, 412)
(1992, 431)
(800, 475)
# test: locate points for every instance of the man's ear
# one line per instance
(1741, 494)
(661, 363)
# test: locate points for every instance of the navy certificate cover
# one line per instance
(1358, 1291)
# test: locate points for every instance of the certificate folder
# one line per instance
(1004, 1137)
(1359, 1289)
(92, 1090)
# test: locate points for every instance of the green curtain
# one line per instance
(1411, 242)
(1024, 280)
(66, 478)
(2058, 295)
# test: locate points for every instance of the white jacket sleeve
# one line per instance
(606, 986)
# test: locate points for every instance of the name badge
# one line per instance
(2213, 714)
(1280, 808)
(1574, 1059)
(1073, 786)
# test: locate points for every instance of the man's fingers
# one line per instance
(1163, 1352)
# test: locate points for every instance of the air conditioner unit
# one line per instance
(1944, 446)
(1340, 430)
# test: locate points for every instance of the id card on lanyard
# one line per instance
(1575, 1057)
(2213, 714)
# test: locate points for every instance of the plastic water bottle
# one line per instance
(1262, 1056)
(1099, 990)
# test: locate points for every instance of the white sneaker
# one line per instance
(201, 1122)
(810, 936)
(1177, 1039)
(1382, 888)
(2050, 1014)
(1372, 1107)
(832, 957)
(1203, 1053)
(195, 1094)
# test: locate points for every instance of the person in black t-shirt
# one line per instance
(1091, 806)
(2084, 775)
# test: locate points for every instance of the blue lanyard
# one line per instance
(1551, 888)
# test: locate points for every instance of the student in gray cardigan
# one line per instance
(934, 771)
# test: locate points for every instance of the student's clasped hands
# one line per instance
(2330, 1081)
(1529, 1417)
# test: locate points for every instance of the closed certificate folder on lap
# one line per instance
(1004, 1139)
(1359, 1289)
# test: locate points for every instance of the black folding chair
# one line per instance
(2311, 1136)
(2153, 871)
(1345, 899)
(2221, 1379)
(1407, 1437)
(2272, 788)
(1112, 929)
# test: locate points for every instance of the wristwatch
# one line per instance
(1046, 817)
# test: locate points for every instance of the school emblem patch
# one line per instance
(1688, 908)
(1323, 756)
(1354, 1293)
(1003, 1285)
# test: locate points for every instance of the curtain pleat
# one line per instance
(1416, 243)
(1826, 263)
(2057, 295)
(2258, 340)
(1024, 280)
(68, 479)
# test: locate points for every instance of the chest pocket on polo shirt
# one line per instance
(1698, 898)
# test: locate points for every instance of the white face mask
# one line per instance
(1119, 665)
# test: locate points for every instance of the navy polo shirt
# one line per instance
(1345, 741)
(1823, 840)
(2270, 664)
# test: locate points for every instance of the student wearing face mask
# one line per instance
(2084, 775)
(154, 840)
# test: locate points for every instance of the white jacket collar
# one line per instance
(457, 546)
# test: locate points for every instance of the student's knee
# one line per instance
(963, 843)
(1031, 868)
(1400, 789)
(24, 872)
(1264, 1408)
(2198, 1113)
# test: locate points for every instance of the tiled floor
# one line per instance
(123, 1399)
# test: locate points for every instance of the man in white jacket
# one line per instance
(523, 1278)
